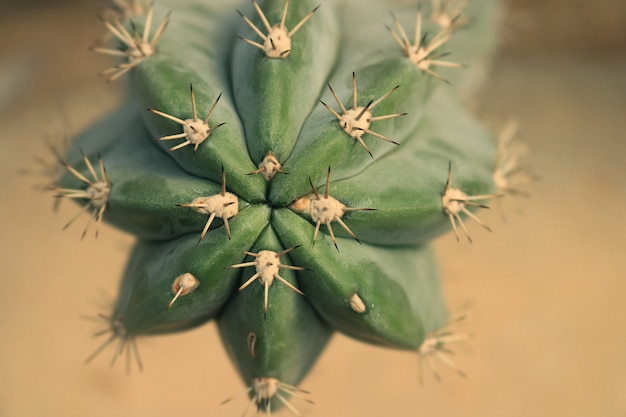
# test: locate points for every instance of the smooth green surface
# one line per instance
(385, 279)
(288, 340)
(146, 186)
(323, 142)
(405, 187)
(104, 133)
(146, 289)
(274, 96)
(162, 82)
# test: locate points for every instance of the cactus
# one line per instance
(285, 169)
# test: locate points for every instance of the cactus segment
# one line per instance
(146, 187)
(275, 96)
(276, 350)
(398, 286)
(323, 141)
(145, 305)
(410, 210)
(162, 83)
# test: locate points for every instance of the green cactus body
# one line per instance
(278, 98)
(281, 217)
(281, 343)
(154, 266)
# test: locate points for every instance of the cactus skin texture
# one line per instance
(290, 170)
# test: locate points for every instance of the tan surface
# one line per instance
(547, 287)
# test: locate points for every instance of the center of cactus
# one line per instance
(269, 167)
(223, 206)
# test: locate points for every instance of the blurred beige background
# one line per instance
(546, 289)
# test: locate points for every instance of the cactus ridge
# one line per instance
(267, 129)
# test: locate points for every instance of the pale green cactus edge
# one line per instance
(284, 166)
